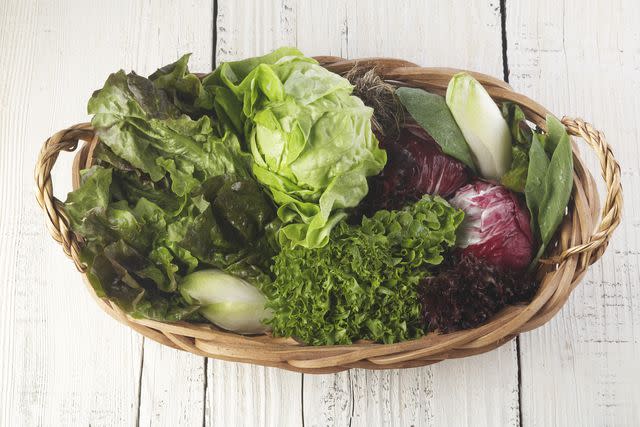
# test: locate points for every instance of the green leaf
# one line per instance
(535, 186)
(136, 118)
(558, 183)
(549, 182)
(556, 133)
(184, 89)
(516, 178)
(362, 284)
(236, 71)
(520, 131)
(231, 205)
(92, 196)
(431, 112)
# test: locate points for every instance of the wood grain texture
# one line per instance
(62, 360)
(249, 395)
(171, 378)
(581, 58)
(485, 386)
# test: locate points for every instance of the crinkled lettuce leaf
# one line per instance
(135, 118)
(363, 283)
(311, 141)
(170, 192)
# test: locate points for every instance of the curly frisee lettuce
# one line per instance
(363, 283)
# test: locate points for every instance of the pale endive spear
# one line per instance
(482, 125)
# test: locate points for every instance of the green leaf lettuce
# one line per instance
(170, 193)
(362, 284)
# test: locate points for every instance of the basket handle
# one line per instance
(56, 220)
(612, 209)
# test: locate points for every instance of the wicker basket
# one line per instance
(581, 240)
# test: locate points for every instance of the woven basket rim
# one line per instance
(581, 240)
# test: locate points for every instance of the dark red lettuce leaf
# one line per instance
(416, 166)
(466, 292)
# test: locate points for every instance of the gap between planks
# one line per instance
(505, 77)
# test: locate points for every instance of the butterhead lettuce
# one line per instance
(311, 141)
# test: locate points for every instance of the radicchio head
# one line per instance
(496, 225)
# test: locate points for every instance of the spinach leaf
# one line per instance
(549, 181)
(431, 112)
(556, 133)
(558, 181)
(535, 186)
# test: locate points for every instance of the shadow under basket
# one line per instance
(580, 241)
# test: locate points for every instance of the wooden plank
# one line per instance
(169, 379)
(252, 28)
(478, 391)
(62, 361)
(580, 58)
(451, 393)
(485, 386)
(249, 395)
(462, 34)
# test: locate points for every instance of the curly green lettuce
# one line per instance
(311, 141)
(363, 283)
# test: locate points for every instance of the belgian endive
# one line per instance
(482, 125)
(226, 301)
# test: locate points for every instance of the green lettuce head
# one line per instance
(311, 141)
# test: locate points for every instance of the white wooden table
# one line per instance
(64, 362)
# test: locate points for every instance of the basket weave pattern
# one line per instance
(581, 240)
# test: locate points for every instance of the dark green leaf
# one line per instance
(91, 198)
(231, 205)
(535, 186)
(431, 112)
(549, 182)
(185, 89)
(558, 184)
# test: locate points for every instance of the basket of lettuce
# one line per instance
(323, 214)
